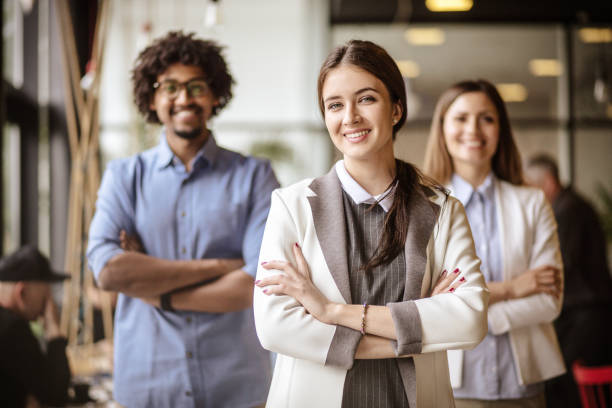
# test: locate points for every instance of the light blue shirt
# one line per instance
(489, 372)
(218, 210)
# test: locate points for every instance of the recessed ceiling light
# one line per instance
(409, 69)
(595, 35)
(545, 67)
(449, 5)
(424, 36)
(512, 92)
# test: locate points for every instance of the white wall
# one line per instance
(274, 49)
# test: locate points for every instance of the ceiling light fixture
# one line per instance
(545, 67)
(601, 91)
(424, 36)
(512, 92)
(409, 69)
(600, 88)
(212, 17)
(595, 35)
(449, 5)
(26, 6)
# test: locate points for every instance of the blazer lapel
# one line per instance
(423, 216)
(330, 226)
(510, 231)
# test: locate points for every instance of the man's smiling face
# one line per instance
(185, 114)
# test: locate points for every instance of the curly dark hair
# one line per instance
(177, 47)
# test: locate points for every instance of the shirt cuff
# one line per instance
(102, 258)
(497, 324)
(250, 269)
(408, 328)
(343, 347)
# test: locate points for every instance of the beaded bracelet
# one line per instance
(363, 315)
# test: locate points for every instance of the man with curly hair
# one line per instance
(177, 232)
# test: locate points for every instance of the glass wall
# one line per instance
(592, 90)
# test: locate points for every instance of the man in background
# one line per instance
(177, 232)
(30, 377)
(583, 327)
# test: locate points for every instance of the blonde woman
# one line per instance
(472, 151)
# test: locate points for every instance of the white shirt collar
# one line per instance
(358, 194)
(464, 190)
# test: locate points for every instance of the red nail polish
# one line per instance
(297, 245)
(462, 279)
(444, 272)
(265, 291)
(263, 263)
(456, 270)
(451, 290)
(257, 282)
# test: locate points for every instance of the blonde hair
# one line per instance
(506, 162)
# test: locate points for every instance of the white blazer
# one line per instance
(528, 233)
(312, 356)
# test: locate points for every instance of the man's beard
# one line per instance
(195, 132)
(189, 134)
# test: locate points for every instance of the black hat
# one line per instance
(28, 264)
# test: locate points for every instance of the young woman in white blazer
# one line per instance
(368, 274)
(472, 151)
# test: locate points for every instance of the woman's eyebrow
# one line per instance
(329, 98)
(366, 89)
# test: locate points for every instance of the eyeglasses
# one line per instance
(171, 88)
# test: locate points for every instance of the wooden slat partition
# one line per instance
(83, 135)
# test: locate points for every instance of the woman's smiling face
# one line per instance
(471, 130)
(359, 114)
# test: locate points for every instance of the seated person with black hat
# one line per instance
(30, 377)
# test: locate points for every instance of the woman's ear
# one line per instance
(397, 112)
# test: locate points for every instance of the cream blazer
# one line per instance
(313, 357)
(528, 233)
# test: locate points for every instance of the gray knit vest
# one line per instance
(372, 383)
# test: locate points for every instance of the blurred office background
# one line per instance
(551, 60)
